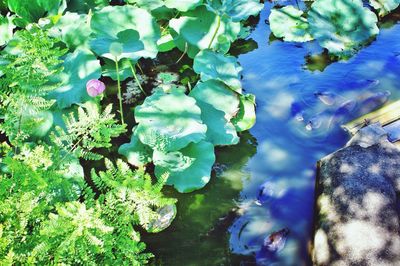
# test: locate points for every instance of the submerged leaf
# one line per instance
(289, 23)
(212, 65)
(342, 26)
(166, 126)
(189, 169)
(79, 67)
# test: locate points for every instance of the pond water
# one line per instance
(301, 102)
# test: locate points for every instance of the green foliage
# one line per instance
(88, 130)
(33, 10)
(384, 7)
(246, 117)
(135, 151)
(6, 29)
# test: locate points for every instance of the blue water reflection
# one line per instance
(288, 98)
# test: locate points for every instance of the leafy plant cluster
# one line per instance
(52, 211)
(341, 26)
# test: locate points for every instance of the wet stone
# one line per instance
(357, 203)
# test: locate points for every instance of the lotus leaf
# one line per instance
(220, 131)
(6, 29)
(212, 65)
(189, 169)
(136, 152)
(218, 95)
(79, 67)
(84, 6)
(109, 21)
(34, 10)
(237, 10)
(124, 67)
(246, 117)
(127, 41)
(166, 126)
(147, 4)
(342, 26)
(183, 5)
(195, 30)
(73, 29)
(289, 23)
(166, 43)
(384, 6)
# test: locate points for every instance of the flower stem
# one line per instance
(215, 32)
(136, 79)
(119, 92)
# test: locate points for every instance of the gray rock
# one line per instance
(357, 204)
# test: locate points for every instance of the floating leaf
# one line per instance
(289, 23)
(166, 126)
(218, 95)
(246, 117)
(342, 26)
(6, 29)
(79, 67)
(237, 10)
(135, 151)
(188, 169)
(73, 29)
(109, 21)
(195, 30)
(126, 42)
(212, 65)
(384, 7)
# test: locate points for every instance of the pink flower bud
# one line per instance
(95, 87)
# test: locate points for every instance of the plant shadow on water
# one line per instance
(252, 195)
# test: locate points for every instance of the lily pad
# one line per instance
(135, 151)
(109, 21)
(384, 7)
(127, 41)
(195, 30)
(6, 29)
(342, 26)
(73, 29)
(189, 169)
(166, 126)
(212, 65)
(290, 24)
(246, 117)
(237, 10)
(220, 131)
(218, 95)
(79, 67)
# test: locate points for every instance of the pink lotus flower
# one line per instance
(95, 87)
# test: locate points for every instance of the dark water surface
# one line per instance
(299, 110)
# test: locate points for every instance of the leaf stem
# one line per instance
(136, 78)
(119, 92)
(215, 32)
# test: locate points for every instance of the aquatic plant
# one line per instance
(342, 27)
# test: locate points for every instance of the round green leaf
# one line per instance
(194, 31)
(189, 169)
(166, 43)
(109, 21)
(342, 26)
(73, 29)
(218, 95)
(79, 67)
(169, 121)
(124, 67)
(237, 10)
(147, 4)
(246, 117)
(212, 65)
(288, 23)
(35, 9)
(136, 152)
